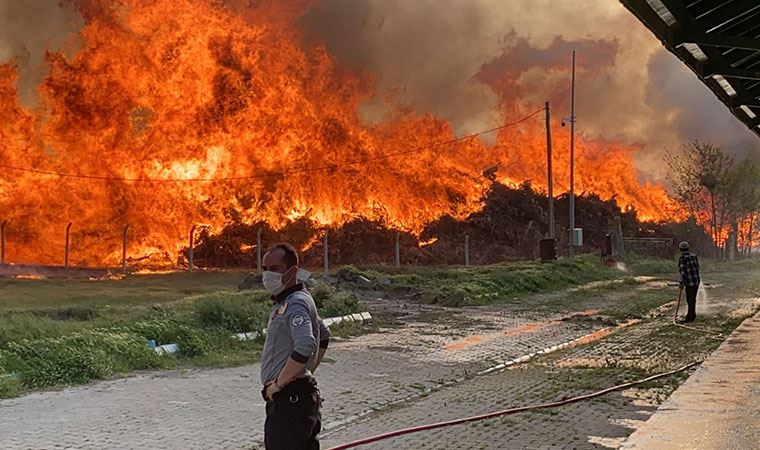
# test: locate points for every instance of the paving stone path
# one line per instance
(420, 372)
(222, 408)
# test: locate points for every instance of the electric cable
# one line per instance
(275, 174)
(509, 411)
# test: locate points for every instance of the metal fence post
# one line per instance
(190, 250)
(467, 250)
(326, 260)
(2, 251)
(66, 257)
(258, 251)
(124, 251)
(398, 249)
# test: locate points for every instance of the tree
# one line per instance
(699, 176)
(744, 185)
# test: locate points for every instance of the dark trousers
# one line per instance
(293, 417)
(691, 300)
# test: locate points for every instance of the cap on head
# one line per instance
(683, 246)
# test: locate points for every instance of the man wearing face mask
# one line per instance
(295, 344)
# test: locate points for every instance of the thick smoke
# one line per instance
(467, 61)
(30, 28)
(428, 52)
(699, 113)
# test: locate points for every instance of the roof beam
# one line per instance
(700, 8)
(686, 24)
(736, 102)
(708, 71)
(728, 12)
(751, 97)
(716, 63)
(736, 57)
(718, 40)
(682, 15)
(647, 15)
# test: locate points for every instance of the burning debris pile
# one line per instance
(508, 227)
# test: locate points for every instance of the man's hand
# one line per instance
(272, 389)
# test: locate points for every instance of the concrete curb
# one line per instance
(364, 317)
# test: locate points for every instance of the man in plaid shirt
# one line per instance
(688, 266)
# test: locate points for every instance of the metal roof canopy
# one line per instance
(718, 40)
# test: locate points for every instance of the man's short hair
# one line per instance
(291, 254)
(683, 246)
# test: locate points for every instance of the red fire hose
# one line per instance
(506, 412)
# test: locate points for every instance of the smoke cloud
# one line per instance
(475, 62)
(30, 28)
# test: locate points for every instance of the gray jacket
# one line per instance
(294, 331)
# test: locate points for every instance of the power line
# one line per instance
(277, 174)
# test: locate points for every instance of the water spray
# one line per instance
(712, 335)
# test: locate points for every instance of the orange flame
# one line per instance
(170, 90)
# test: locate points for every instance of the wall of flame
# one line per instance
(174, 93)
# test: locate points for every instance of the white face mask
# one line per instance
(272, 281)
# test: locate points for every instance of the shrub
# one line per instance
(10, 385)
(352, 273)
(81, 313)
(332, 302)
(192, 341)
(234, 312)
(72, 359)
(17, 327)
(458, 286)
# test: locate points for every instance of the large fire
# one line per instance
(181, 112)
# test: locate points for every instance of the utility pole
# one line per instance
(571, 250)
(549, 169)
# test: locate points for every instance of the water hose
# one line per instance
(712, 335)
(509, 411)
(520, 409)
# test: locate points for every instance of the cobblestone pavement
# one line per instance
(420, 372)
(602, 422)
(630, 352)
(222, 408)
(567, 427)
(718, 407)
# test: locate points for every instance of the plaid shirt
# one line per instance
(688, 266)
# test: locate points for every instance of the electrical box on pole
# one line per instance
(577, 237)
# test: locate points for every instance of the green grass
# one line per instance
(64, 332)
(61, 332)
(460, 286)
(134, 291)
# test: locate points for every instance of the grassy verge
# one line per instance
(63, 336)
(461, 286)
